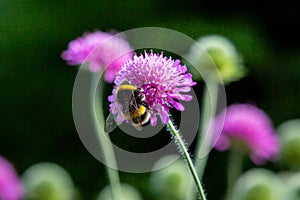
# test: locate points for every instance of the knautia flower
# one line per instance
(248, 128)
(214, 52)
(100, 50)
(11, 187)
(163, 81)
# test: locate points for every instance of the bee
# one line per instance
(131, 103)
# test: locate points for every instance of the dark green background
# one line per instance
(36, 84)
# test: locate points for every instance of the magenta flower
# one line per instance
(10, 184)
(162, 79)
(246, 125)
(100, 50)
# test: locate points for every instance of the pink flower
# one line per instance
(100, 50)
(246, 125)
(163, 81)
(10, 184)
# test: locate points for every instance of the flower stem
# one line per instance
(106, 147)
(205, 135)
(234, 170)
(175, 133)
(209, 107)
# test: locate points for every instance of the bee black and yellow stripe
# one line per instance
(125, 87)
(124, 95)
(132, 101)
(138, 112)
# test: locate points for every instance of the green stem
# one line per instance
(106, 147)
(209, 107)
(186, 155)
(205, 136)
(234, 170)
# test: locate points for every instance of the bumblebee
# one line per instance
(131, 103)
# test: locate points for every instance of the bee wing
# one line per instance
(110, 123)
(123, 101)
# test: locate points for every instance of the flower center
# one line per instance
(151, 93)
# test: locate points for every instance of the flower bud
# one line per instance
(258, 184)
(293, 186)
(48, 181)
(128, 193)
(289, 133)
(172, 181)
(215, 54)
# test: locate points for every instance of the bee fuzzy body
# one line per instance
(134, 107)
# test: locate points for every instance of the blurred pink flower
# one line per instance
(100, 50)
(11, 187)
(163, 81)
(246, 125)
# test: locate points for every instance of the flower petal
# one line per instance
(177, 105)
(153, 119)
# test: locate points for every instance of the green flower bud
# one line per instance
(128, 193)
(48, 181)
(258, 184)
(293, 186)
(289, 133)
(172, 181)
(215, 54)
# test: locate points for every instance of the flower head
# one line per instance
(11, 187)
(100, 50)
(247, 126)
(215, 50)
(162, 79)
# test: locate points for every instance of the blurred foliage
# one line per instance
(36, 84)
